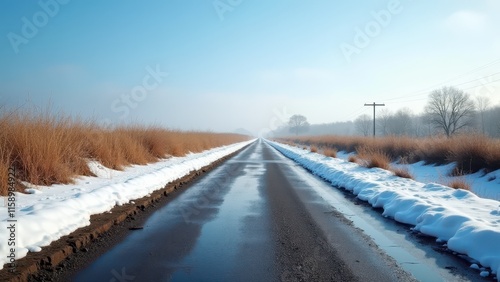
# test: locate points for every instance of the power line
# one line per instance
(475, 86)
(424, 91)
(477, 79)
(406, 101)
(482, 84)
(355, 112)
(468, 72)
(446, 81)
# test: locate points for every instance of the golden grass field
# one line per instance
(46, 148)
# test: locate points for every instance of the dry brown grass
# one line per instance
(402, 172)
(459, 183)
(471, 153)
(314, 149)
(4, 166)
(374, 157)
(329, 152)
(352, 158)
(54, 148)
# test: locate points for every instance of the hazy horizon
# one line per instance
(228, 64)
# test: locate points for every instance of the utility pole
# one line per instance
(374, 105)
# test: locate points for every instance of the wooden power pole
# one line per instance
(374, 105)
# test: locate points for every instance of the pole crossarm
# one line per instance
(374, 105)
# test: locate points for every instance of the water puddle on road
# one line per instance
(220, 240)
(403, 257)
(199, 234)
(393, 238)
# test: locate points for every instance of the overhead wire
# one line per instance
(424, 91)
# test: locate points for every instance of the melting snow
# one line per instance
(469, 224)
(45, 214)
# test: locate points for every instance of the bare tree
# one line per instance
(298, 123)
(483, 104)
(420, 126)
(493, 121)
(383, 119)
(363, 124)
(450, 109)
(400, 123)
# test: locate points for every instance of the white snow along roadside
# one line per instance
(469, 224)
(49, 213)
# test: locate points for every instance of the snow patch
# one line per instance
(46, 214)
(469, 224)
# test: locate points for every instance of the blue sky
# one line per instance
(226, 64)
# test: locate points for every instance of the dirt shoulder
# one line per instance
(104, 231)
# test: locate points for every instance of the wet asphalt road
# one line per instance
(254, 218)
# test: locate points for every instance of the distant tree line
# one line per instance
(448, 111)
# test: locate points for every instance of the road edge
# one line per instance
(51, 256)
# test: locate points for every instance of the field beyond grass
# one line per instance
(470, 153)
(46, 149)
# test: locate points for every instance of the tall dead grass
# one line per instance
(459, 184)
(330, 152)
(50, 148)
(474, 153)
(471, 153)
(402, 172)
(374, 157)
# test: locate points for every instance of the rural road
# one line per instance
(259, 217)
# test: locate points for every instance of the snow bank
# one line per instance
(484, 185)
(470, 224)
(48, 213)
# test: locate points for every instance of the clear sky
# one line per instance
(227, 64)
